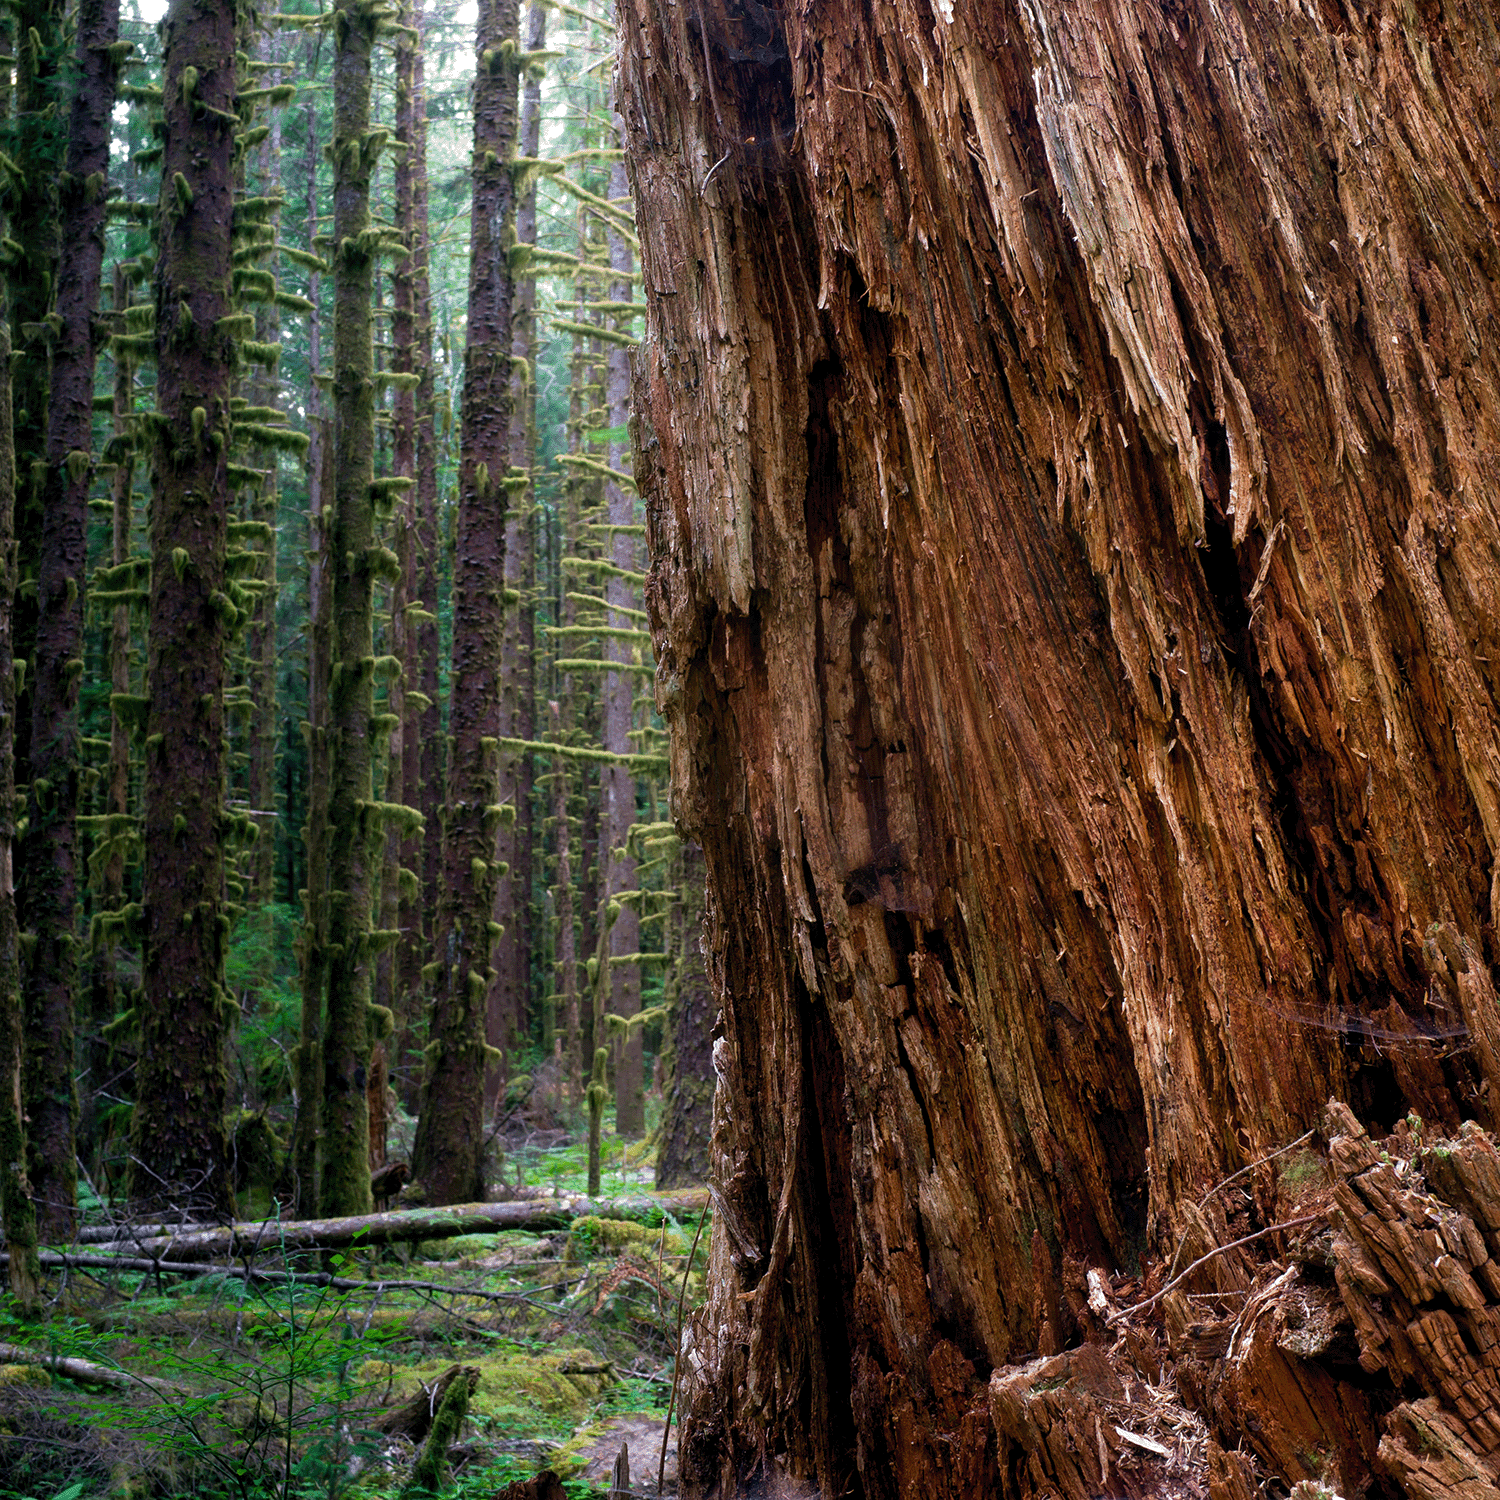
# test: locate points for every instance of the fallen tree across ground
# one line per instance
(84, 1371)
(272, 1235)
(54, 1260)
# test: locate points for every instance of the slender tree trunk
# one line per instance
(425, 767)
(15, 1189)
(406, 958)
(509, 994)
(566, 944)
(313, 945)
(682, 1156)
(51, 858)
(179, 1147)
(601, 980)
(617, 783)
(120, 828)
(265, 509)
(37, 143)
(353, 824)
(1071, 458)
(449, 1140)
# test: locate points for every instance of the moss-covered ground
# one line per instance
(277, 1389)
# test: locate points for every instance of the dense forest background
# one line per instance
(337, 776)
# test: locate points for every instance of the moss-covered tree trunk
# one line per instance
(424, 731)
(449, 1144)
(565, 944)
(15, 1188)
(52, 855)
(179, 1148)
(400, 888)
(1071, 458)
(355, 556)
(265, 509)
(36, 140)
(509, 995)
(312, 947)
(121, 827)
(617, 782)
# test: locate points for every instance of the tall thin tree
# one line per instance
(15, 1189)
(312, 947)
(449, 1135)
(353, 553)
(424, 769)
(179, 1136)
(414, 454)
(51, 865)
(617, 781)
(509, 993)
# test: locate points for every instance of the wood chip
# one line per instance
(1149, 1444)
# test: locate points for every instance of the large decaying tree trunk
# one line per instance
(180, 1148)
(1070, 449)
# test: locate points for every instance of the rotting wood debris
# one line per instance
(1362, 1359)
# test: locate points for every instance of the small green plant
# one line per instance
(277, 1416)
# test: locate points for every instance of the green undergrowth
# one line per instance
(276, 1389)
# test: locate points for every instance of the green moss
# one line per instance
(528, 1392)
(592, 1235)
(460, 1247)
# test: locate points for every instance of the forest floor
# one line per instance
(268, 1388)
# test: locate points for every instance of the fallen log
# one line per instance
(56, 1260)
(84, 1371)
(270, 1235)
(108, 1234)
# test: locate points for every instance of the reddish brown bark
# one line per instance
(688, 1088)
(179, 1146)
(449, 1144)
(1070, 454)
